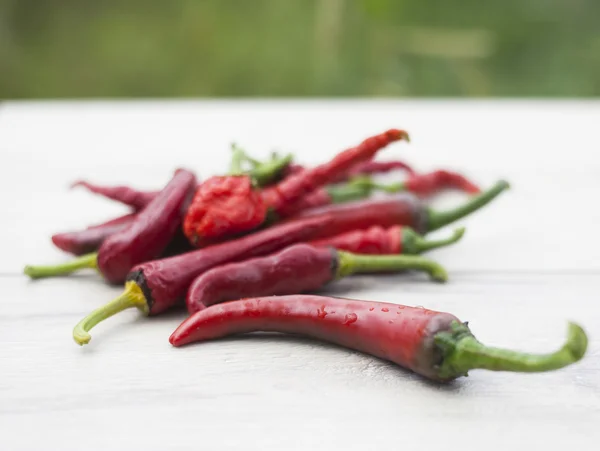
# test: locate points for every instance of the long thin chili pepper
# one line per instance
(144, 239)
(89, 240)
(433, 344)
(230, 206)
(370, 167)
(377, 240)
(297, 269)
(156, 286)
(126, 195)
(398, 209)
(425, 185)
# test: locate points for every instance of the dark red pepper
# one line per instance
(297, 269)
(377, 240)
(230, 206)
(126, 195)
(144, 239)
(89, 240)
(156, 286)
(433, 344)
(398, 209)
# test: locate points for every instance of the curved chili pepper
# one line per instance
(398, 209)
(425, 185)
(124, 194)
(230, 206)
(381, 167)
(144, 239)
(156, 286)
(296, 269)
(433, 344)
(89, 240)
(377, 240)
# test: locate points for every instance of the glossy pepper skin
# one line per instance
(144, 239)
(433, 344)
(158, 285)
(297, 269)
(397, 209)
(378, 240)
(229, 207)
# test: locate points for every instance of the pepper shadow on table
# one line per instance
(315, 345)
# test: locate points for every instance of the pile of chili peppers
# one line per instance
(250, 250)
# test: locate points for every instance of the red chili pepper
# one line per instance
(297, 269)
(370, 167)
(377, 240)
(433, 344)
(380, 167)
(425, 185)
(228, 207)
(89, 240)
(327, 195)
(399, 209)
(144, 239)
(124, 194)
(155, 286)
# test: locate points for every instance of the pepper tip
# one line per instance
(577, 341)
(80, 336)
(30, 272)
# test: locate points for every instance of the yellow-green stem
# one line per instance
(83, 262)
(131, 297)
(350, 263)
(462, 352)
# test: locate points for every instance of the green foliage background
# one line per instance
(230, 48)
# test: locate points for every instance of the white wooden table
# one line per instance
(528, 263)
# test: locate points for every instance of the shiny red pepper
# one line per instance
(230, 206)
(436, 345)
(297, 269)
(377, 240)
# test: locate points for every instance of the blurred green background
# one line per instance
(231, 48)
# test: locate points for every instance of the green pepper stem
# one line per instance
(413, 243)
(131, 297)
(438, 219)
(262, 173)
(348, 191)
(350, 263)
(237, 158)
(462, 352)
(366, 183)
(271, 170)
(83, 262)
